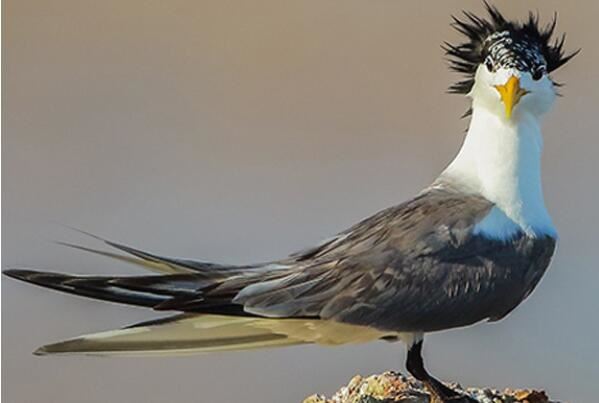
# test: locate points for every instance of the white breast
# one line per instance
(501, 160)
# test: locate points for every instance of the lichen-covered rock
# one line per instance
(392, 387)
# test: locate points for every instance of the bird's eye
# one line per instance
(489, 65)
(538, 73)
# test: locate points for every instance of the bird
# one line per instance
(468, 248)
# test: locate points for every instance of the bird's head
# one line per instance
(507, 64)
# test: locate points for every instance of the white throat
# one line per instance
(501, 160)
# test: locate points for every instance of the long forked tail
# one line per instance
(180, 334)
(179, 282)
(210, 321)
(186, 333)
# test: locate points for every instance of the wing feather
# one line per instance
(193, 334)
(414, 267)
(418, 266)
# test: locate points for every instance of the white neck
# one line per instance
(501, 160)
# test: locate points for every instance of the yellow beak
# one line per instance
(511, 94)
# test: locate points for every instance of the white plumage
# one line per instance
(501, 158)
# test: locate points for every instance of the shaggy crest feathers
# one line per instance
(532, 41)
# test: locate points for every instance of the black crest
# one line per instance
(498, 42)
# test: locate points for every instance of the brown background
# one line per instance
(243, 130)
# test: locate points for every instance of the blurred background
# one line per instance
(241, 131)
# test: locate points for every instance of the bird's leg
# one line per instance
(439, 392)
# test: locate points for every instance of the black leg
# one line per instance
(439, 392)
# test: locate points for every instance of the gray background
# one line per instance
(241, 131)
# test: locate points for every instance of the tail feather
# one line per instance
(147, 291)
(173, 292)
(213, 320)
(153, 262)
(157, 267)
(179, 335)
(175, 264)
(192, 334)
(183, 285)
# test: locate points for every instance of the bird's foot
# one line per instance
(443, 394)
(460, 398)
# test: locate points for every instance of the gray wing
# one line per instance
(414, 267)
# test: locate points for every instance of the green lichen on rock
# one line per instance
(392, 387)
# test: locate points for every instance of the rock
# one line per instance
(392, 387)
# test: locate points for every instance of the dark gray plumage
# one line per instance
(415, 267)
